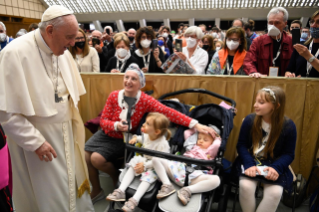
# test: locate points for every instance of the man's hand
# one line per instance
(115, 71)
(251, 172)
(145, 69)
(257, 75)
(45, 152)
(139, 168)
(106, 37)
(98, 48)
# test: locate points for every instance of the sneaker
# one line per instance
(98, 197)
(130, 205)
(184, 195)
(165, 191)
(116, 196)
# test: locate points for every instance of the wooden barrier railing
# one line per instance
(302, 103)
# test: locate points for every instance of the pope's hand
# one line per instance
(45, 152)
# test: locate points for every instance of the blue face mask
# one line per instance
(304, 35)
(314, 32)
(160, 43)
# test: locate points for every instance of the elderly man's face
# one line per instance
(97, 34)
(203, 29)
(277, 20)
(64, 36)
(131, 33)
(237, 23)
(1, 29)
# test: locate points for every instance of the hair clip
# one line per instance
(271, 92)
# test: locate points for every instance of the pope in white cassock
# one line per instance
(40, 87)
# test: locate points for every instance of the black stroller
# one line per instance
(205, 114)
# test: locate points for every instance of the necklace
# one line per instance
(55, 86)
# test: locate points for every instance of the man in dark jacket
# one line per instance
(101, 49)
(270, 54)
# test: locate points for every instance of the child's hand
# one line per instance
(208, 156)
(133, 140)
(139, 168)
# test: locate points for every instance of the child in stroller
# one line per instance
(199, 146)
(154, 129)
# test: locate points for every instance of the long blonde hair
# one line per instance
(161, 122)
(277, 120)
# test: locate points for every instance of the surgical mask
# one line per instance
(165, 35)
(314, 32)
(232, 45)
(2, 37)
(217, 48)
(304, 35)
(121, 52)
(160, 42)
(80, 45)
(273, 31)
(206, 47)
(191, 42)
(146, 43)
(214, 35)
(131, 38)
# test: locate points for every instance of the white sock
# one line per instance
(204, 183)
(271, 198)
(127, 179)
(141, 190)
(247, 188)
(160, 166)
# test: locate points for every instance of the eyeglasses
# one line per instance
(233, 39)
(79, 38)
(311, 22)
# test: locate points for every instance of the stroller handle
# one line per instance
(199, 90)
(174, 157)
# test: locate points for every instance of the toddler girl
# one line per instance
(199, 146)
(154, 129)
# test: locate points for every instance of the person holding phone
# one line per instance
(304, 59)
(192, 54)
(102, 50)
(150, 58)
(123, 57)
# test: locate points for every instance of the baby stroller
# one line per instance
(205, 114)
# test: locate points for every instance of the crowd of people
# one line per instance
(42, 87)
(212, 52)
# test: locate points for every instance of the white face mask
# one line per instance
(146, 43)
(217, 48)
(3, 37)
(273, 31)
(121, 52)
(191, 42)
(232, 45)
(214, 35)
(165, 35)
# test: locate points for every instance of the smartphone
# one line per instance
(95, 41)
(295, 36)
(107, 30)
(178, 45)
(154, 44)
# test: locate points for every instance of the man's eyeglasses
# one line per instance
(80, 39)
(311, 22)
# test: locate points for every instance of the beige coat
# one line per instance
(90, 63)
(30, 116)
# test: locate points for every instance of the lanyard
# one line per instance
(118, 65)
(278, 53)
(6, 43)
(147, 63)
(229, 70)
(309, 66)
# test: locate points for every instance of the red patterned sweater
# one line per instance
(145, 104)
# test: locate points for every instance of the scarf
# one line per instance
(238, 59)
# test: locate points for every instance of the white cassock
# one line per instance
(30, 116)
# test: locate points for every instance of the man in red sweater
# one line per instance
(269, 54)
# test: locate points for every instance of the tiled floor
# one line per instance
(102, 206)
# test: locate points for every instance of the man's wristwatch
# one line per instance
(311, 59)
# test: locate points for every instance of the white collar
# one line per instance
(123, 105)
(138, 53)
(265, 126)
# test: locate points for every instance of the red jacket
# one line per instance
(260, 54)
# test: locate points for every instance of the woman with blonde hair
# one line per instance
(85, 57)
(123, 57)
(266, 148)
(230, 59)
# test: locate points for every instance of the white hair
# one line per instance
(56, 22)
(132, 29)
(195, 30)
(277, 10)
(4, 26)
(108, 27)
